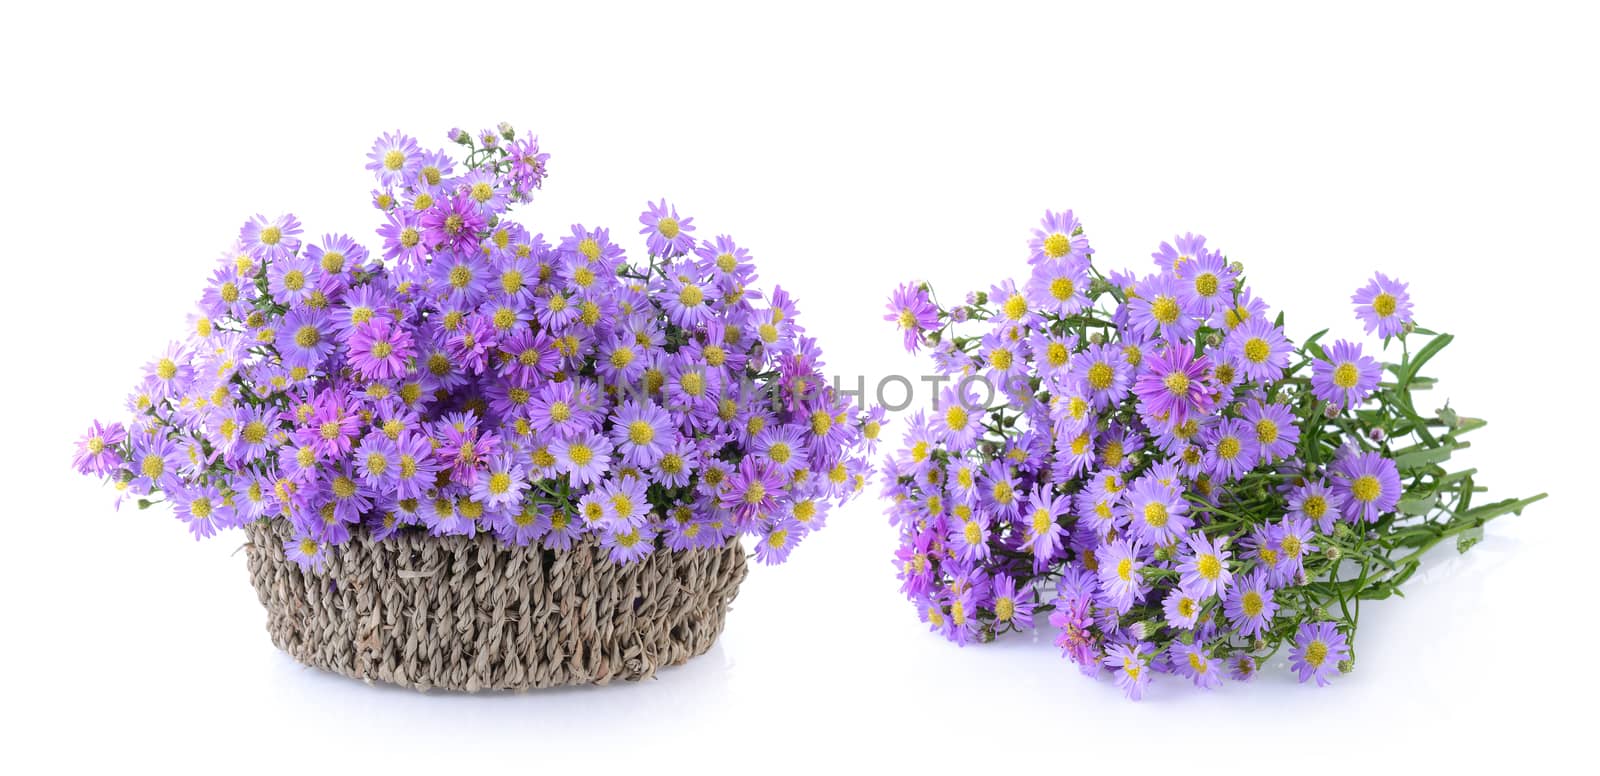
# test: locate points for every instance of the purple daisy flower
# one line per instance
(292, 279)
(1177, 256)
(585, 458)
(1368, 483)
(273, 239)
(1260, 349)
(503, 485)
(1204, 568)
(1316, 502)
(1181, 608)
(1173, 386)
(380, 350)
(203, 509)
(1384, 306)
(1208, 281)
(377, 461)
(1190, 660)
(628, 543)
(640, 431)
(1058, 237)
(97, 449)
(1276, 434)
(1346, 377)
(1121, 580)
(1011, 607)
(752, 491)
(305, 339)
(1045, 509)
(453, 222)
(1157, 511)
(1319, 648)
(1231, 449)
(777, 540)
(665, 233)
(1158, 308)
(403, 237)
(1250, 605)
(910, 309)
(970, 539)
(415, 468)
(308, 553)
(171, 373)
(1057, 286)
(1131, 668)
(395, 159)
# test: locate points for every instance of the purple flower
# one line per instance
(1345, 378)
(1316, 502)
(454, 223)
(910, 309)
(777, 540)
(1231, 449)
(1130, 666)
(1010, 606)
(1319, 648)
(1058, 237)
(502, 485)
(628, 543)
(396, 158)
(1121, 580)
(1368, 483)
(1383, 305)
(1173, 386)
(97, 449)
(1190, 660)
(1157, 511)
(1057, 286)
(1204, 568)
(305, 339)
(752, 491)
(380, 350)
(584, 458)
(277, 238)
(415, 468)
(1181, 608)
(665, 233)
(1250, 605)
(308, 553)
(1260, 349)
(1159, 308)
(1276, 434)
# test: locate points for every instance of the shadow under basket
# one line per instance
(467, 613)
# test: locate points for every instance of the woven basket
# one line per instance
(466, 613)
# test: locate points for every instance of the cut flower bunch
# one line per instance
(479, 378)
(1150, 464)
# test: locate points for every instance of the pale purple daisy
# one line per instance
(271, 239)
(305, 339)
(1190, 660)
(1181, 608)
(1204, 570)
(97, 449)
(380, 350)
(1346, 377)
(1157, 511)
(913, 313)
(1010, 606)
(1158, 307)
(1059, 237)
(395, 159)
(502, 486)
(1121, 574)
(1173, 386)
(665, 233)
(1384, 306)
(1319, 648)
(1250, 605)
(777, 540)
(584, 458)
(1316, 502)
(628, 543)
(1131, 668)
(1368, 482)
(1276, 434)
(1260, 349)
(308, 553)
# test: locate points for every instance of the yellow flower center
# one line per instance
(294, 280)
(1316, 653)
(1016, 307)
(1177, 383)
(690, 296)
(1125, 569)
(1062, 289)
(1314, 507)
(393, 160)
(1346, 375)
(1252, 604)
(1209, 566)
(580, 454)
(307, 336)
(1365, 488)
(1155, 514)
(271, 235)
(1228, 448)
(1057, 245)
(1266, 431)
(1384, 305)
(668, 227)
(1256, 350)
(1164, 309)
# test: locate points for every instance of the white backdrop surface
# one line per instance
(850, 146)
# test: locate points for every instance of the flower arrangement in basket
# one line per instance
(1162, 474)
(487, 460)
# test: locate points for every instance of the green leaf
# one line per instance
(1418, 505)
(1466, 539)
(1422, 459)
(1422, 356)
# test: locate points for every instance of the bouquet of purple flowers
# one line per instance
(478, 378)
(1149, 461)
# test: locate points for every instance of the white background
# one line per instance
(850, 146)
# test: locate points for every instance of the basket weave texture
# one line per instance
(468, 613)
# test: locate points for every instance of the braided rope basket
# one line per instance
(467, 613)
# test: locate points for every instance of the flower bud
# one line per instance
(979, 298)
(1375, 434)
(1259, 645)
(1163, 553)
(1236, 267)
(459, 135)
(959, 315)
(1321, 613)
(1146, 629)
(506, 131)
(1346, 666)
(1333, 553)
(1213, 340)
